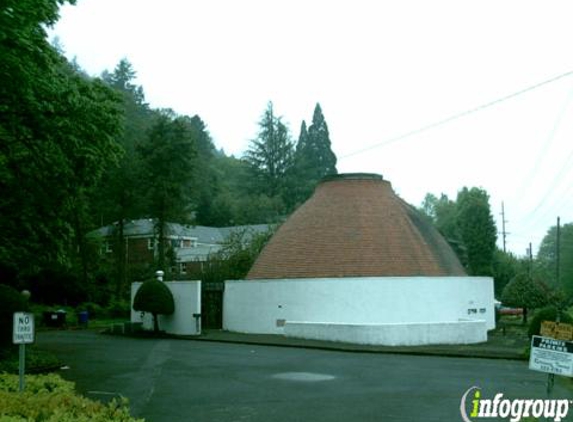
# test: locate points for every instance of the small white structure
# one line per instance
(186, 320)
(365, 310)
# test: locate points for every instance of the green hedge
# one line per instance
(49, 398)
(546, 314)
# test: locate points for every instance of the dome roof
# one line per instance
(354, 225)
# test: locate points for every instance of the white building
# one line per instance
(357, 264)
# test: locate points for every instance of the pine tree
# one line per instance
(169, 157)
(119, 196)
(314, 158)
(270, 155)
(477, 230)
(321, 155)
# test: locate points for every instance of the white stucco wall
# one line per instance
(264, 306)
(187, 298)
(407, 334)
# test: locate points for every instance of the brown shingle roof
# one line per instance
(355, 226)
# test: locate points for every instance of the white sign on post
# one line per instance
(551, 356)
(23, 332)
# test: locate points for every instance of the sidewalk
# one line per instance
(497, 347)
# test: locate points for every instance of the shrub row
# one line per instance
(50, 398)
(546, 314)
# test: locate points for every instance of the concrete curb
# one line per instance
(437, 351)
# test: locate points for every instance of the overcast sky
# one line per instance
(380, 70)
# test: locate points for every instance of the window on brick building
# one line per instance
(150, 243)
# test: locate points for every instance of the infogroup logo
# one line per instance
(514, 409)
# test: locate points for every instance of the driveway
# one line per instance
(183, 380)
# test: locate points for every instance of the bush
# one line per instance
(118, 309)
(11, 300)
(155, 297)
(49, 398)
(524, 292)
(546, 314)
(94, 310)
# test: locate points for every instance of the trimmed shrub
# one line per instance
(154, 297)
(524, 292)
(50, 398)
(546, 314)
(11, 300)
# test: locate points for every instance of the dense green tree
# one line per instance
(57, 130)
(302, 182)
(505, 267)
(477, 229)
(442, 212)
(468, 225)
(546, 259)
(313, 158)
(119, 197)
(169, 157)
(525, 292)
(270, 155)
(318, 148)
(206, 180)
(122, 78)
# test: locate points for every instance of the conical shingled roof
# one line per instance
(355, 226)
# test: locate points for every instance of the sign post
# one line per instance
(554, 357)
(22, 334)
(556, 331)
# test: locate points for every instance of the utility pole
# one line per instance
(503, 221)
(557, 251)
(530, 259)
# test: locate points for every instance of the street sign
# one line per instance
(557, 330)
(551, 356)
(23, 332)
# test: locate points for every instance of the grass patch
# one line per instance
(37, 361)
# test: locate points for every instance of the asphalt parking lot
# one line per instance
(169, 380)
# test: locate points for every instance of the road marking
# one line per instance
(104, 393)
(303, 376)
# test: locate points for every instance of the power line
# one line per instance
(457, 116)
(546, 146)
(531, 220)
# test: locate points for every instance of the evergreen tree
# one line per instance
(547, 258)
(314, 158)
(270, 155)
(169, 156)
(119, 197)
(477, 230)
(442, 212)
(122, 79)
(320, 151)
(468, 226)
(206, 179)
